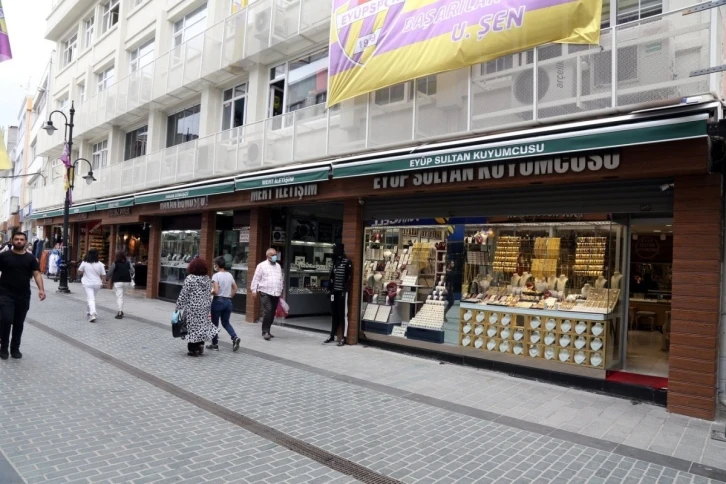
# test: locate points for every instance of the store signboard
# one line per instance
(413, 222)
(572, 142)
(283, 179)
(532, 168)
(185, 204)
(281, 193)
(82, 209)
(112, 204)
(118, 212)
(185, 193)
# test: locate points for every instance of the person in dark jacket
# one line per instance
(121, 274)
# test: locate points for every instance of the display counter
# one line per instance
(659, 307)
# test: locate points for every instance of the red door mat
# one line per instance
(656, 382)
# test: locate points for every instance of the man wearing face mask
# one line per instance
(339, 286)
(268, 282)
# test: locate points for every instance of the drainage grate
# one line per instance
(344, 466)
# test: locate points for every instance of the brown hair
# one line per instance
(120, 257)
(198, 267)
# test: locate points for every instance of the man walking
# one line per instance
(17, 266)
(268, 282)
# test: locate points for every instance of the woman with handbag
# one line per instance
(195, 301)
(121, 276)
(93, 274)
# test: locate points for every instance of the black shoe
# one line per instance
(235, 344)
(329, 340)
(271, 335)
(4, 355)
(341, 342)
(16, 354)
(119, 315)
(213, 347)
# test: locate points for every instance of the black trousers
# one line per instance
(269, 307)
(12, 315)
(339, 309)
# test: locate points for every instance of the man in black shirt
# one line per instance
(341, 273)
(17, 266)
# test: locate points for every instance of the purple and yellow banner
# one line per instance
(379, 43)
(5, 52)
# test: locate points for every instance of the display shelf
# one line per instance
(311, 244)
(306, 271)
(536, 312)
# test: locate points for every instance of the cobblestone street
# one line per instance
(119, 401)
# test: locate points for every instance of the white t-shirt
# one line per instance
(92, 273)
(225, 281)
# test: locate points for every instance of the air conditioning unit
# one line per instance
(251, 155)
(264, 21)
(555, 82)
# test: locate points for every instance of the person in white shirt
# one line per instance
(224, 287)
(268, 282)
(94, 275)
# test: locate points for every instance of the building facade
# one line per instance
(206, 127)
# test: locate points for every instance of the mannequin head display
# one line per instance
(586, 290)
(551, 282)
(615, 280)
(600, 282)
(525, 279)
(515, 280)
(338, 251)
(561, 283)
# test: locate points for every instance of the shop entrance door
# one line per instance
(649, 304)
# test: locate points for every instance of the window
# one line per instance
(404, 92)
(299, 84)
(105, 79)
(110, 15)
(88, 26)
(100, 155)
(141, 56)
(631, 10)
(190, 25)
(427, 85)
(233, 107)
(69, 50)
(183, 126)
(82, 92)
(136, 3)
(135, 143)
(62, 103)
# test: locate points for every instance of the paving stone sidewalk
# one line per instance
(386, 432)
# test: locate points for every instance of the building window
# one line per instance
(100, 155)
(82, 92)
(69, 50)
(105, 79)
(183, 126)
(110, 15)
(298, 84)
(188, 26)
(141, 56)
(62, 103)
(630, 10)
(233, 107)
(88, 27)
(427, 85)
(391, 94)
(135, 143)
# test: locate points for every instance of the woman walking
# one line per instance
(121, 273)
(93, 274)
(224, 288)
(195, 299)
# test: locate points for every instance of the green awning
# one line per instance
(91, 207)
(570, 142)
(108, 205)
(311, 175)
(53, 213)
(182, 193)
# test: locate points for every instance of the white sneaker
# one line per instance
(92, 318)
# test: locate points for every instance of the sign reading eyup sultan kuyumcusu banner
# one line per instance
(379, 43)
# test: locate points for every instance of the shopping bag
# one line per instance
(178, 324)
(282, 309)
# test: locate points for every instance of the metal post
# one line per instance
(63, 286)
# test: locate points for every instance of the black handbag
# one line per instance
(179, 324)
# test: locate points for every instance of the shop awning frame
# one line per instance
(177, 193)
(118, 203)
(86, 208)
(284, 178)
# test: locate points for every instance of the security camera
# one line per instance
(360, 201)
(666, 186)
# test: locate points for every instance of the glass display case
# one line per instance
(234, 246)
(308, 274)
(178, 248)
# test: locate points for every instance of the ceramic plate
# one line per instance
(596, 344)
(518, 335)
(506, 319)
(466, 341)
(580, 357)
(493, 318)
(550, 324)
(597, 329)
(467, 328)
(566, 326)
(467, 316)
(479, 342)
(535, 323)
(491, 344)
(533, 351)
(549, 353)
(549, 338)
(580, 327)
(479, 317)
(564, 355)
(580, 342)
(478, 330)
(504, 346)
(565, 340)
(518, 349)
(534, 337)
(596, 359)
(505, 333)
(492, 332)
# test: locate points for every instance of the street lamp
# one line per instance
(70, 176)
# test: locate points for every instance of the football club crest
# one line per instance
(362, 24)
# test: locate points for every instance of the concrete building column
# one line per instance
(154, 268)
(353, 241)
(259, 243)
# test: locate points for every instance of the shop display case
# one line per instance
(233, 245)
(308, 274)
(178, 247)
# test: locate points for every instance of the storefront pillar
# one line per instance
(112, 245)
(207, 238)
(259, 243)
(353, 241)
(154, 269)
(697, 225)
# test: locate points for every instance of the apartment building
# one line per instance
(206, 129)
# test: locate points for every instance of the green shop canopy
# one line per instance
(188, 192)
(111, 204)
(310, 175)
(91, 207)
(570, 142)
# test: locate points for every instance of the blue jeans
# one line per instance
(222, 307)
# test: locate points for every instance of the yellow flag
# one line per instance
(4, 158)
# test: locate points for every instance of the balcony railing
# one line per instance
(636, 64)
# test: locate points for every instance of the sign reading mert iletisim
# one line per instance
(295, 191)
(550, 166)
(379, 43)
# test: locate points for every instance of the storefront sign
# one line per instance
(647, 247)
(298, 191)
(118, 212)
(244, 235)
(185, 204)
(284, 179)
(82, 209)
(82, 216)
(186, 193)
(125, 202)
(590, 140)
(549, 166)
